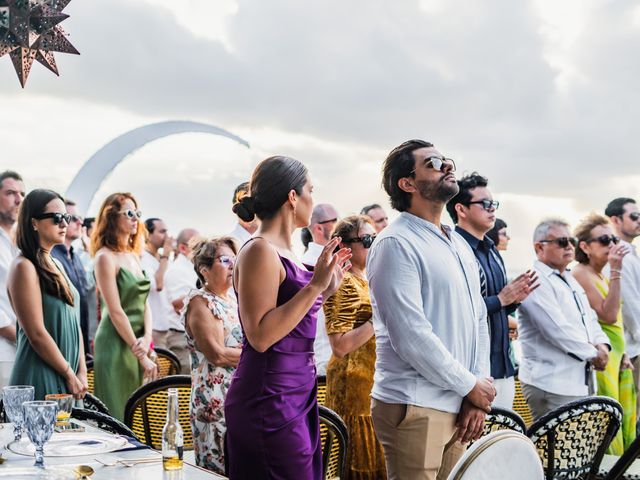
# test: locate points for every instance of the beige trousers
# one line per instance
(419, 443)
(177, 343)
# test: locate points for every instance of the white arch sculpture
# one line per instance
(95, 170)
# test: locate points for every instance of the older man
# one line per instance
(377, 214)
(561, 339)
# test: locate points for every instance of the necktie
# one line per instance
(483, 281)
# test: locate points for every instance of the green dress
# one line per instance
(62, 322)
(618, 384)
(117, 373)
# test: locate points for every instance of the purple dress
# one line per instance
(271, 408)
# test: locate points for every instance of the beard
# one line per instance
(9, 217)
(437, 191)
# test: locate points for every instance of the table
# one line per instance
(138, 472)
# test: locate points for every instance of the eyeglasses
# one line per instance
(132, 213)
(486, 204)
(367, 240)
(605, 240)
(439, 163)
(56, 217)
(563, 242)
(333, 220)
(226, 260)
(77, 218)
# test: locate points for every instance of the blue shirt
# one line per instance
(491, 263)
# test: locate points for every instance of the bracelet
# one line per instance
(615, 270)
(164, 257)
(615, 278)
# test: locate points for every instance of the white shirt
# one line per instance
(557, 331)
(179, 279)
(240, 234)
(161, 308)
(430, 320)
(321, 346)
(7, 316)
(630, 289)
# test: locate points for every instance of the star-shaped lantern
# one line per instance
(29, 30)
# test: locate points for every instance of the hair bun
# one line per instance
(245, 208)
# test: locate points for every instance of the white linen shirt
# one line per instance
(321, 345)
(630, 290)
(430, 320)
(240, 234)
(161, 308)
(7, 316)
(557, 331)
(179, 279)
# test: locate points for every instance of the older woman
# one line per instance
(214, 337)
(123, 338)
(598, 248)
(350, 370)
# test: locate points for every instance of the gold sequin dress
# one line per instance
(350, 379)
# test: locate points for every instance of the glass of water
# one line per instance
(39, 420)
(13, 397)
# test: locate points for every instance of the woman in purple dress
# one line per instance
(271, 409)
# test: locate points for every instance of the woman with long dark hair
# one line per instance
(271, 408)
(123, 338)
(49, 352)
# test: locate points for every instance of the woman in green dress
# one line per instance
(598, 250)
(121, 346)
(49, 354)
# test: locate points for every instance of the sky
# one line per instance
(540, 96)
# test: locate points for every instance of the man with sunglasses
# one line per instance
(625, 218)
(473, 211)
(431, 386)
(323, 219)
(560, 335)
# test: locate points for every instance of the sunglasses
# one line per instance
(77, 218)
(132, 213)
(367, 240)
(634, 216)
(439, 163)
(486, 204)
(56, 217)
(226, 260)
(605, 240)
(563, 242)
(332, 220)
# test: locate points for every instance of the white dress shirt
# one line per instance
(557, 331)
(7, 316)
(321, 345)
(430, 320)
(630, 290)
(161, 308)
(240, 234)
(179, 279)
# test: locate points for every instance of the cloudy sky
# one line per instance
(540, 96)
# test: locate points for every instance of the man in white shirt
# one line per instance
(155, 264)
(376, 213)
(243, 230)
(560, 337)
(625, 218)
(323, 220)
(431, 386)
(11, 196)
(178, 281)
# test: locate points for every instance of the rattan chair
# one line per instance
(103, 422)
(322, 389)
(334, 439)
(624, 467)
(571, 440)
(91, 402)
(90, 376)
(168, 363)
(520, 405)
(502, 419)
(146, 410)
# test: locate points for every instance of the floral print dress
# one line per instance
(209, 383)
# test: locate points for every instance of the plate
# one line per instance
(37, 473)
(71, 445)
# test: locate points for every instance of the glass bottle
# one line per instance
(172, 436)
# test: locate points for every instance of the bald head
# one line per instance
(323, 219)
(183, 240)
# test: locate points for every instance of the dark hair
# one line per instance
(465, 184)
(52, 281)
(150, 224)
(69, 203)
(86, 223)
(493, 233)
(399, 164)
(9, 174)
(240, 189)
(271, 182)
(616, 207)
(368, 208)
(205, 250)
(306, 237)
(583, 233)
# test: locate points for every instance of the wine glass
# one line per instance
(14, 397)
(40, 418)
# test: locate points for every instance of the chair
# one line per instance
(90, 376)
(103, 422)
(168, 363)
(500, 455)
(322, 389)
(502, 419)
(624, 467)
(334, 439)
(91, 402)
(571, 440)
(146, 410)
(520, 405)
